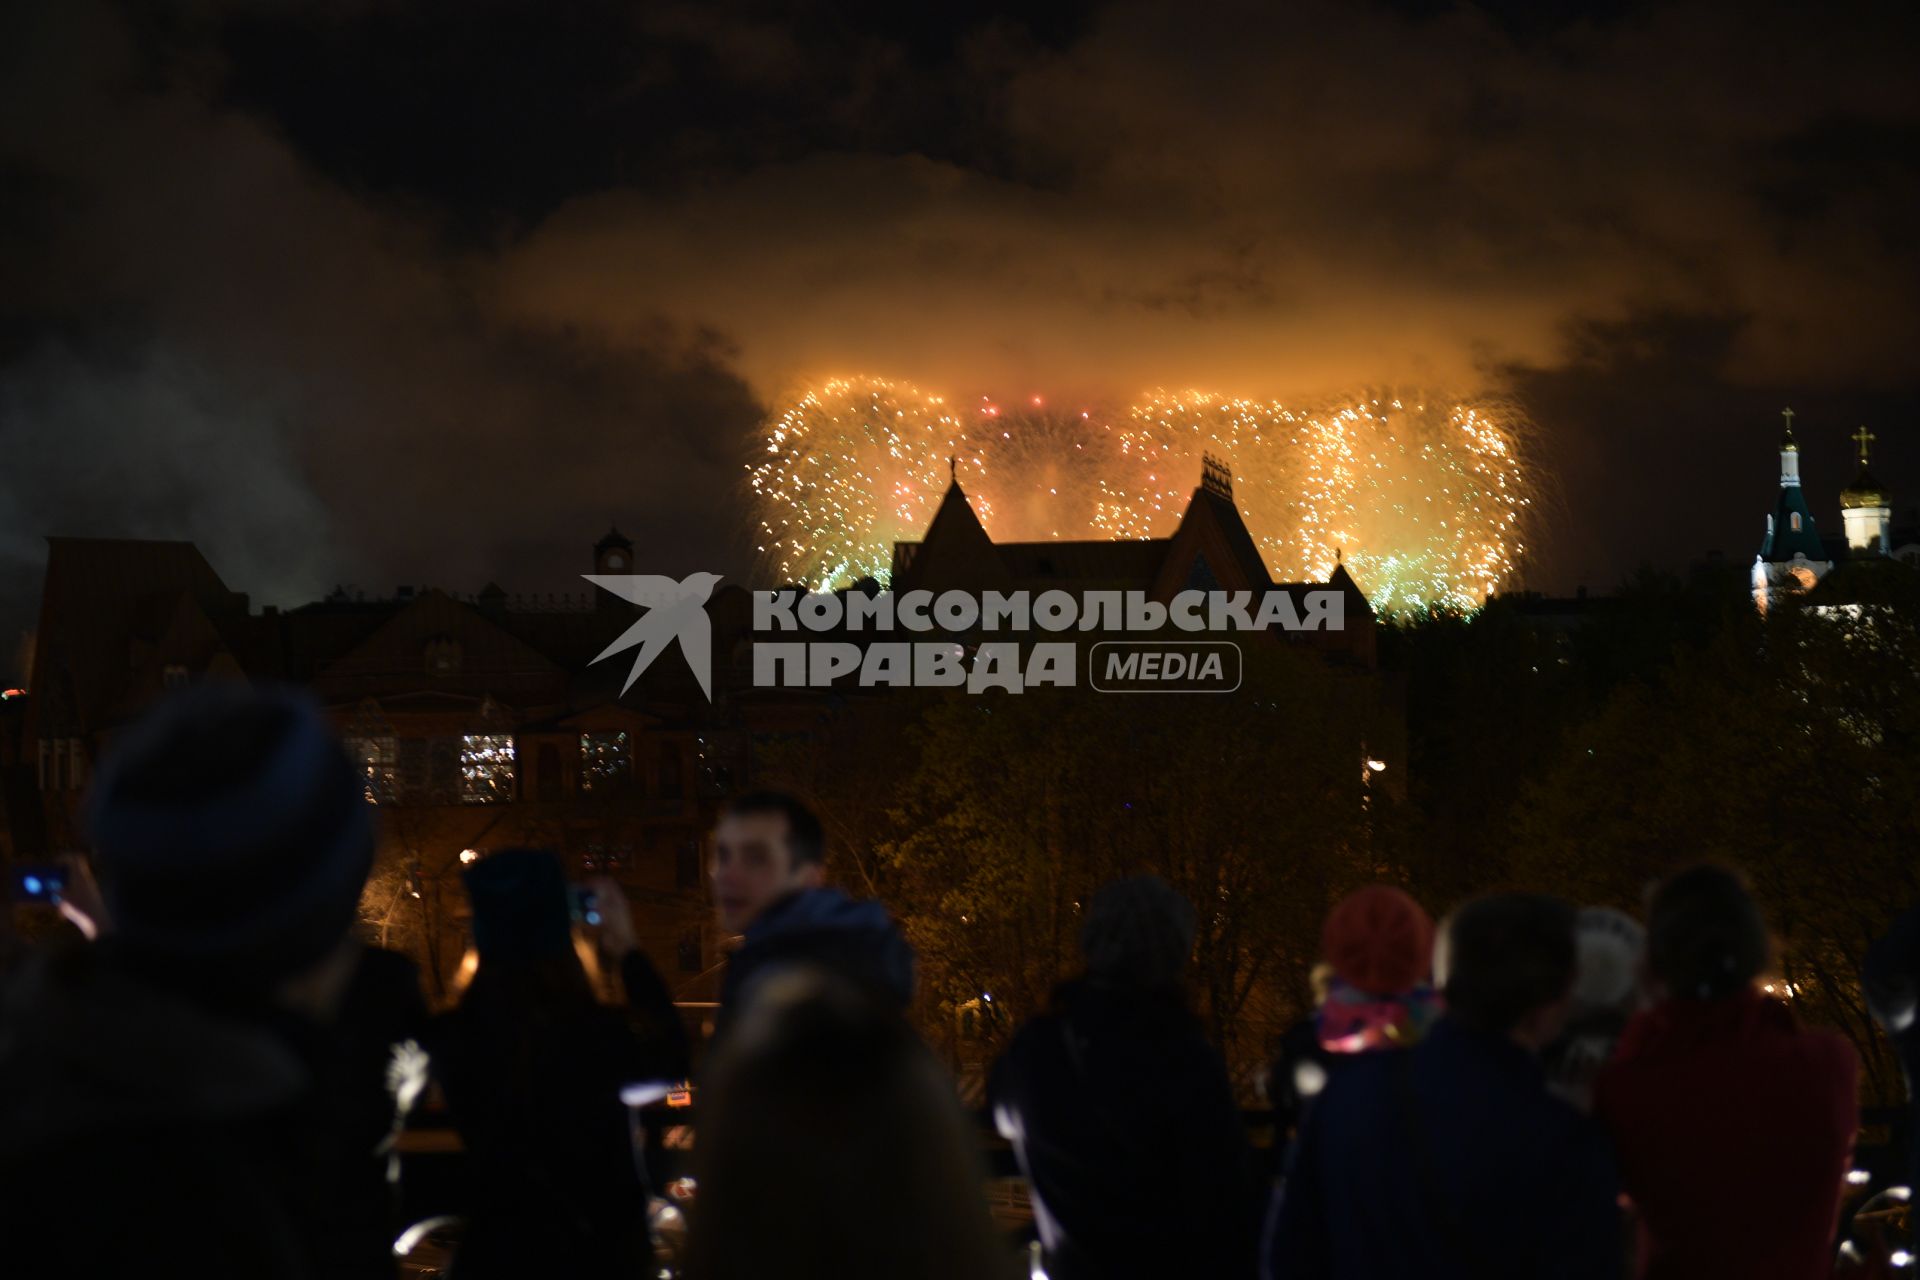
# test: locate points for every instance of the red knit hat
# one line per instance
(1379, 940)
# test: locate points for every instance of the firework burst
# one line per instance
(850, 467)
(1424, 498)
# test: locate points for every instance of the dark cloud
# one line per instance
(206, 339)
(500, 112)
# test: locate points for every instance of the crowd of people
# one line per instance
(209, 1077)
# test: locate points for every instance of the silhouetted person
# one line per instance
(832, 1147)
(1606, 994)
(371, 1066)
(1379, 943)
(1299, 1069)
(532, 1066)
(769, 870)
(1892, 981)
(168, 1095)
(1121, 1113)
(1734, 1123)
(1451, 1159)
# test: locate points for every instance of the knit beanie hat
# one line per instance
(1379, 941)
(1138, 930)
(522, 910)
(231, 832)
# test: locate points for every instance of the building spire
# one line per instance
(953, 468)
(1863, 438)
(1215, 477)
(1789, 454)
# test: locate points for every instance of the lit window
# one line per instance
(607, 859)
(486, 768)
(605, 761)
(173, 675)
(1796, 521)
(377, 758)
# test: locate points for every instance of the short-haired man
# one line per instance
(769, 887)
(1452, 1159)
(1734, 1123)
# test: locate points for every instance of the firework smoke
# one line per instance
(1423, 497)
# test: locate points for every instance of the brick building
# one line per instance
(483, 721)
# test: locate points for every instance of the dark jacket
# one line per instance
(1892, 982)
(363, 1063)
(1446, 1160)
(142, 1133)
(1735, 1128)
(854, 939)
(533, 1075)
(1295, 1078)
(1125, 1125)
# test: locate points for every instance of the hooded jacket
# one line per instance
(1892, 981)
(141, 1133)
(1125, 1125)
(1448, 1161)
(1734, 1126)
(855, 940)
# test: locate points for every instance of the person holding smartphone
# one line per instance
(533, 1064)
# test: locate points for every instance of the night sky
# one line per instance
(369, 292)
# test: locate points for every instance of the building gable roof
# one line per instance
(98, 594)
(954, 553)
(1784, 541)
(408, 644)
(1211, 532)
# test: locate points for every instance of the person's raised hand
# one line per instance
(80, 901)
(616, 933)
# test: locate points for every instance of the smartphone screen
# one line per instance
(37, 882)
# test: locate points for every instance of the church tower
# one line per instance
(1865, 509)
(612, 556)
(613, 553)
(1792, 558)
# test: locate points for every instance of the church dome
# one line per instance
(1865, 491)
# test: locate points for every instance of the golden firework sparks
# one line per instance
(1424, 497)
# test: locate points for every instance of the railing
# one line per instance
(1874, 1223)
(432, 1151)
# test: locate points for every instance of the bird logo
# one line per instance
(676, 610)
